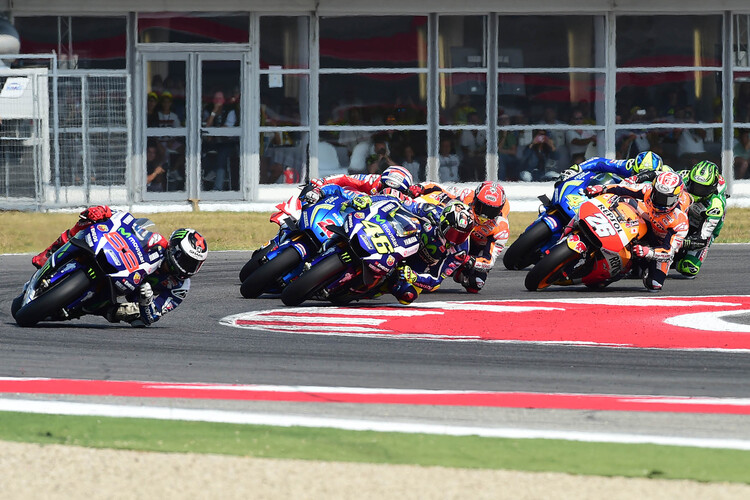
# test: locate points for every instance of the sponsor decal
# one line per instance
(390, 261)
(102, 227)
(137, 278)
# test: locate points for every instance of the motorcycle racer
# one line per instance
(395, 180)
(161, 292)
(443, 249)
(645, 161)
(490, 208)
(659, 205)
(707, 190)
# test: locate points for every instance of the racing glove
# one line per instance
(643, 252)
(416, 190)
(145, 295)
(312, 196)
(96, 214)
(593, 191)
(407, 274)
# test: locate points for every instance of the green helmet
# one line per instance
(703, 179)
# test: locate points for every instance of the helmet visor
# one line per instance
(701, 190)
(185, 264)
(486, 211)
(663, 202)
(455, 236)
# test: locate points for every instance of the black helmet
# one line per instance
(186, 252)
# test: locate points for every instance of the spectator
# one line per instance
(167, 117)
(507, 148)
(152, 118)
(350, 138)
(217, 114)
(579, 139)
(156, 174)
(473, 147)
(379, 158)
(691, 147)
(538, 157)
(172, 148)
(411, 163)
(742, 154)
(449, 161)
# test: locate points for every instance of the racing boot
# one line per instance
(128, 312)
(40, 259)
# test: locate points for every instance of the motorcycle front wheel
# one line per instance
(549, 269)
(312, 280)
(254, 262)
(267, 274)
(523, 252)
(53, 299)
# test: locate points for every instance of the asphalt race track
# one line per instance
(191, 346)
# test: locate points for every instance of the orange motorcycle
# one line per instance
(596, 247)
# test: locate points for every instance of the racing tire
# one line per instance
(16, 305)
(267, 274)
(524, 251)
(54, 299)
(550, 267)
(254, 262)
(312, 280)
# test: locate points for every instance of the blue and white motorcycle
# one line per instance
(554, 215)
(90, 273)
(272, 267)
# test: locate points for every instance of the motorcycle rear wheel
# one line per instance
(312, 280)
(53, 299)
(550, 267)
(266, 275)
(523, 252)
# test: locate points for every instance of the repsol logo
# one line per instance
(612, 218)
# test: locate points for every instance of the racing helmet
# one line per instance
(489, 200)
(456, 222)
(645, 161)
(665, 192)
(186, 252)
(397, 178)
(702, 179)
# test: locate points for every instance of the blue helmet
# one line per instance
(648, 160)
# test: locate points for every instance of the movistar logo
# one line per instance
(122, 231)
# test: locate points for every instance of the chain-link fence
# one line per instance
(65, 138)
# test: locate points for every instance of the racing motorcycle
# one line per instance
(367, 248)
(91, 272)
(554, 215)
(300, 237)
(596, 249)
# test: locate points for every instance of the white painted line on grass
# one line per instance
(280, 420)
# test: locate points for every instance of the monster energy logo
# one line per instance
(180, 234)
(91, 272)
(345, 257)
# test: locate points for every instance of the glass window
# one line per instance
(284, 100)
(382, 98)
(376, 41)
(689, 96)
(531, 96)
(193, 28)
(283, 157)
(654, 41)
(550, 41)
(741, 150)
(742, 96)
(97, 42)
(284, 42)
(463, 98)
(462, 41)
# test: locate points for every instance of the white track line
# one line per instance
(277, 420)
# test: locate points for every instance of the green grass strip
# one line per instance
(644, 461)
